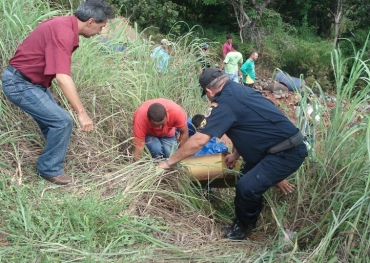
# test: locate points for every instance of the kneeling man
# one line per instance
(154, 124)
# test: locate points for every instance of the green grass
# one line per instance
(118, 211)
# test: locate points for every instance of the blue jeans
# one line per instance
(54, 122)
(257, 179)
(160, 147)
(233, 76)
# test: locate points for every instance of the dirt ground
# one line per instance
(121, 26)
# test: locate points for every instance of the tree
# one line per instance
(159, 13)
(247, 22)
(338, 15)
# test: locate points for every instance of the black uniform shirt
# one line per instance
(252, 122)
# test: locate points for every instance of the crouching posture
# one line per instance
(154, 124)
(271, 146)
(44, 55)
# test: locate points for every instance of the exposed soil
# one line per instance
(3, 241)
(121, 27)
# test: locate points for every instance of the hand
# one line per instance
(230, 160)
(163, 165)
(286, 187)
(86, 123)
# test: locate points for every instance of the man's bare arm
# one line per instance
(184, 135)
(193, 145)
(137, 153)
(69, 90)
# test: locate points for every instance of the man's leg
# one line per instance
(57, 131)
(54, 122)
(154, 146)
(169, 145)
(234, 76)
(249, 190)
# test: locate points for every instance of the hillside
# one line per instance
(121, 211)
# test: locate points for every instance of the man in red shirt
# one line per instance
(154, 124)
(226, 48)
(44, 55)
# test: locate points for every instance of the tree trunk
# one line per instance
(246, 25)
(241, 17)
(337, 20)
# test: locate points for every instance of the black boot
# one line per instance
(239, 232)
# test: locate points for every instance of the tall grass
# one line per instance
(118, 211)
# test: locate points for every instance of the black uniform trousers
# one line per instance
(257, 179)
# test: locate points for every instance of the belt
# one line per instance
(17, 73)
(287, 144)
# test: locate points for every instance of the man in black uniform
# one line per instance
(271, 146)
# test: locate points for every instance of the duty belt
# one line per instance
(287, 144)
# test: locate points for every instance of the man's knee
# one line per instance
(246, 191)
(65, 121)
(154, 146)
(169, 145)
(253, 185)
(156, 152)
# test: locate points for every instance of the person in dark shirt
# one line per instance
(44, 55)
(271, 146)
(194, 123)
(203, 57)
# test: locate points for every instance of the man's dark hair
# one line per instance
(234, 46)
(228, 36)
(156, 112)
(197, 120)
(99, 10)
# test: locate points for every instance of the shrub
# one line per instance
(158, 13)
(297, 56)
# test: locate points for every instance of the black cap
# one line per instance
(205, 46)
(208, 75)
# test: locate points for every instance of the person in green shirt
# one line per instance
(231, 63)
(247, 69)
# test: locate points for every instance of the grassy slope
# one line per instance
(120, 212)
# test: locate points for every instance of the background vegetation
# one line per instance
(118, 211)
(286, 34)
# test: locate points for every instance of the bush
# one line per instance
(65, 4)
(158, 13)
(297, 56)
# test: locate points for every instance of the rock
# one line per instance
(359, 118)
(276, 87)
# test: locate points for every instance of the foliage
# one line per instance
(16, 25)
(297, 56)
(158, 13)
(65, 4)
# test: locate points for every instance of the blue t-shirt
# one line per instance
(252, 122)
(161, 57)
(191, 128)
